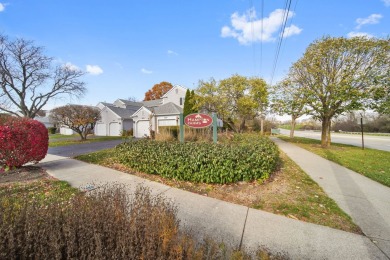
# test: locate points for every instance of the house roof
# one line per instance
(152, 103)
(168, 108)
(105, 104)
(174, 87)
(122, 112)
(136, 112)
(131, 103)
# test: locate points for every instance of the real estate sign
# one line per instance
(198, 120)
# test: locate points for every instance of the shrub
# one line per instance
(108, 224)
(170, 133)
(243, 159)
(171, 130)
(127, 133)
(52, 130)
(22, 140)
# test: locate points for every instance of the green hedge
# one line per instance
(245, 159)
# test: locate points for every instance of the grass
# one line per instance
(44, 190)
(289, 192)
(64, 140)
(60, 136)
(374, 164)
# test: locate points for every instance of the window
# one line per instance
(181, 101)
(177, 91)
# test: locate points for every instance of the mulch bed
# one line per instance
(23, 174)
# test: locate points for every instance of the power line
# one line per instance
(253, 36)
(281, 34)
(261, 37)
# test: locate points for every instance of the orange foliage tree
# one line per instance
(81, 119)
(158, 90)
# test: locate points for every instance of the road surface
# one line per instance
(77, 149)
(373, 142)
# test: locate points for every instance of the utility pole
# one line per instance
(361, 127)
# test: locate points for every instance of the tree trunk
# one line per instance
(82, 136)
(325, 132)
(242, 125)
(293, 123)
(329, 136)
(262, 126)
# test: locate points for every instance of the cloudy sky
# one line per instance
(125, 46)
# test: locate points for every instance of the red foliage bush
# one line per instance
(22, 140)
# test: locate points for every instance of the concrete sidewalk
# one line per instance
(233, 224)
(365, 200)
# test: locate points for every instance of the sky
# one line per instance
(126, 46)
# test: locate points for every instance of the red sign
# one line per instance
(198, 120)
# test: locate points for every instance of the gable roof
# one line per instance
(130, 103)
(167, 109)
(174, 87)
(105, 104)
(152, 103)
(122, 112)
(136, 112)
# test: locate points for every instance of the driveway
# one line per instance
(77, 149)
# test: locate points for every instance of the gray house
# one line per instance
(160, 112)
(140, 116)
(116, 118)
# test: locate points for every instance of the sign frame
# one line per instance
(198, 120)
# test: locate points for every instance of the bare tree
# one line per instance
(81, 119)
(28, 80)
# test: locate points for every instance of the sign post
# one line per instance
(215, 136)
(199, 121)
(361, 126)
(181, 118)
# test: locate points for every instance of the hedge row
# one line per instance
(242, 160)
(22, 140)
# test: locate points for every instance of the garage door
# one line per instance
(114, 129)
(167, 122)
(142, 128)
(101, 129)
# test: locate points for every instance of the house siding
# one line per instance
(107, 117)
(174, 96)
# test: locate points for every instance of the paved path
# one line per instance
(370, 141)
(234, 224)
(365, 200)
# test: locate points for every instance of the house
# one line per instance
(116, 118)
(146, 119)
(161, 112)
(101, 105)
(127, 104)
(43, 116)
(141, 116)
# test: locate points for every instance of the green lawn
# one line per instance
(42, 191)
(374, 164)
(64, 140)
(60, 136)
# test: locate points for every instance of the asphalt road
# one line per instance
(373, 142)
(74, 150)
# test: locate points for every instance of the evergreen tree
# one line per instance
(187, 104)
(192, 102)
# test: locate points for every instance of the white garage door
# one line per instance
(101, 129)
(66, 131)
(167, 122)
(114, 129)
(142, 128)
